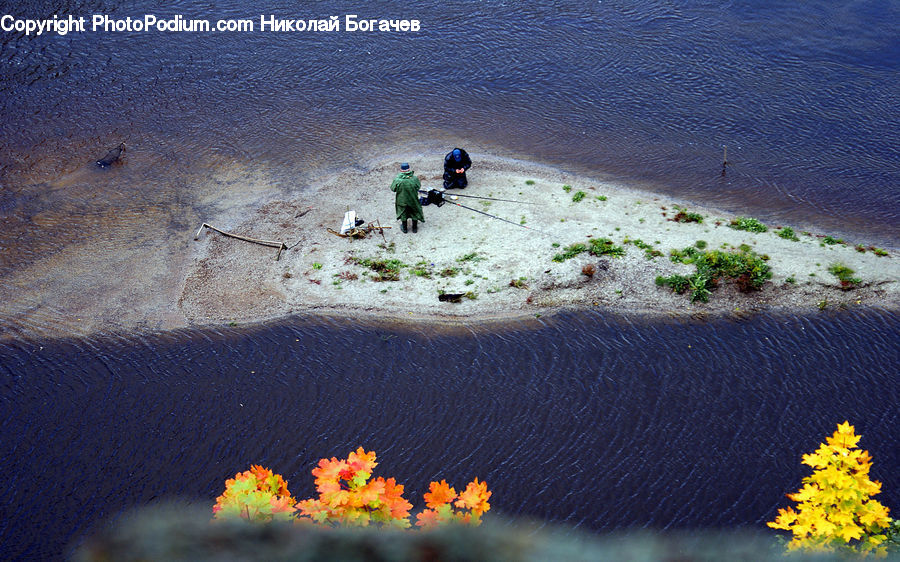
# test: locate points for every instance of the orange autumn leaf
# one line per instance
(475, 497)
(393, 498)
(361, 461)
(282, 504)
(439, 494)
(428, 519)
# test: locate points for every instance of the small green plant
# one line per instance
(844, 275)
(555, 244)
(832, 241)
(422, 269)
(601, 198)
(471, 295)
(678, 283)
(699, 288)
(791, 280)
(880, 252)
(567, 188)
(472, 257)
(684, 216)
(822, 304)
(518, 283)
(529, 182)
(579, 195)
(649, 251)
(449, 272)
(522, 220)
(605, 247)
(700, 244)
(788, 234)
(748, 224)
(860, 248)
(683, 256)
(570, 252)
(386, 270)
(469, 282)
(317, 265)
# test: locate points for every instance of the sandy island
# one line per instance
(503, 270)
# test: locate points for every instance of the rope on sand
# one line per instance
(271, 243)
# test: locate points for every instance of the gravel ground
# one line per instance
(503, 269)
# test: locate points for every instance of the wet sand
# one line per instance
(139, 269)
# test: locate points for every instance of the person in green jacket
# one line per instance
(406, 185)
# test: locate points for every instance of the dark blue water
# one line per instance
(803, 94)
(597, 423)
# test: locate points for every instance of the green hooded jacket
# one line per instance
(406, 186)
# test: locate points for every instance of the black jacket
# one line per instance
(451, 165)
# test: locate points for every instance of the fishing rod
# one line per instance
(490, 198)
(437, 197)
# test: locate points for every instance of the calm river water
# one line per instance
(602, 423)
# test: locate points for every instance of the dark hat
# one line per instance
(404, 166)
(457, 154)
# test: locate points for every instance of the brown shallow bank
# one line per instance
(505, 271)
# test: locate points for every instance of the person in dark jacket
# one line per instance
(406, 201)
(456, 163)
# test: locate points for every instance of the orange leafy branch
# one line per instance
(348, 496)
(256, 495)
(471, 504)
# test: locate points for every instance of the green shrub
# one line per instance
(678, 283)
(649, 251)
(749, 271)
(570, 252)
(597, 247)
(844, 275)
(684, 216)
(567, 188)
(579, 195)
(788, 234)
(832, 241)
(386, 270)
(684, 256)
(748, 224)
(472, 257)
(605, 247)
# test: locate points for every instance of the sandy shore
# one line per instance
(505, 270)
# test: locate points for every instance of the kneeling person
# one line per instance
(456, 163)
(406, 201)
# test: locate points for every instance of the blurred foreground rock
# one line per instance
(185, 533)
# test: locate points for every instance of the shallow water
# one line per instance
(598, 423)
(802, 95)
(591, 421)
